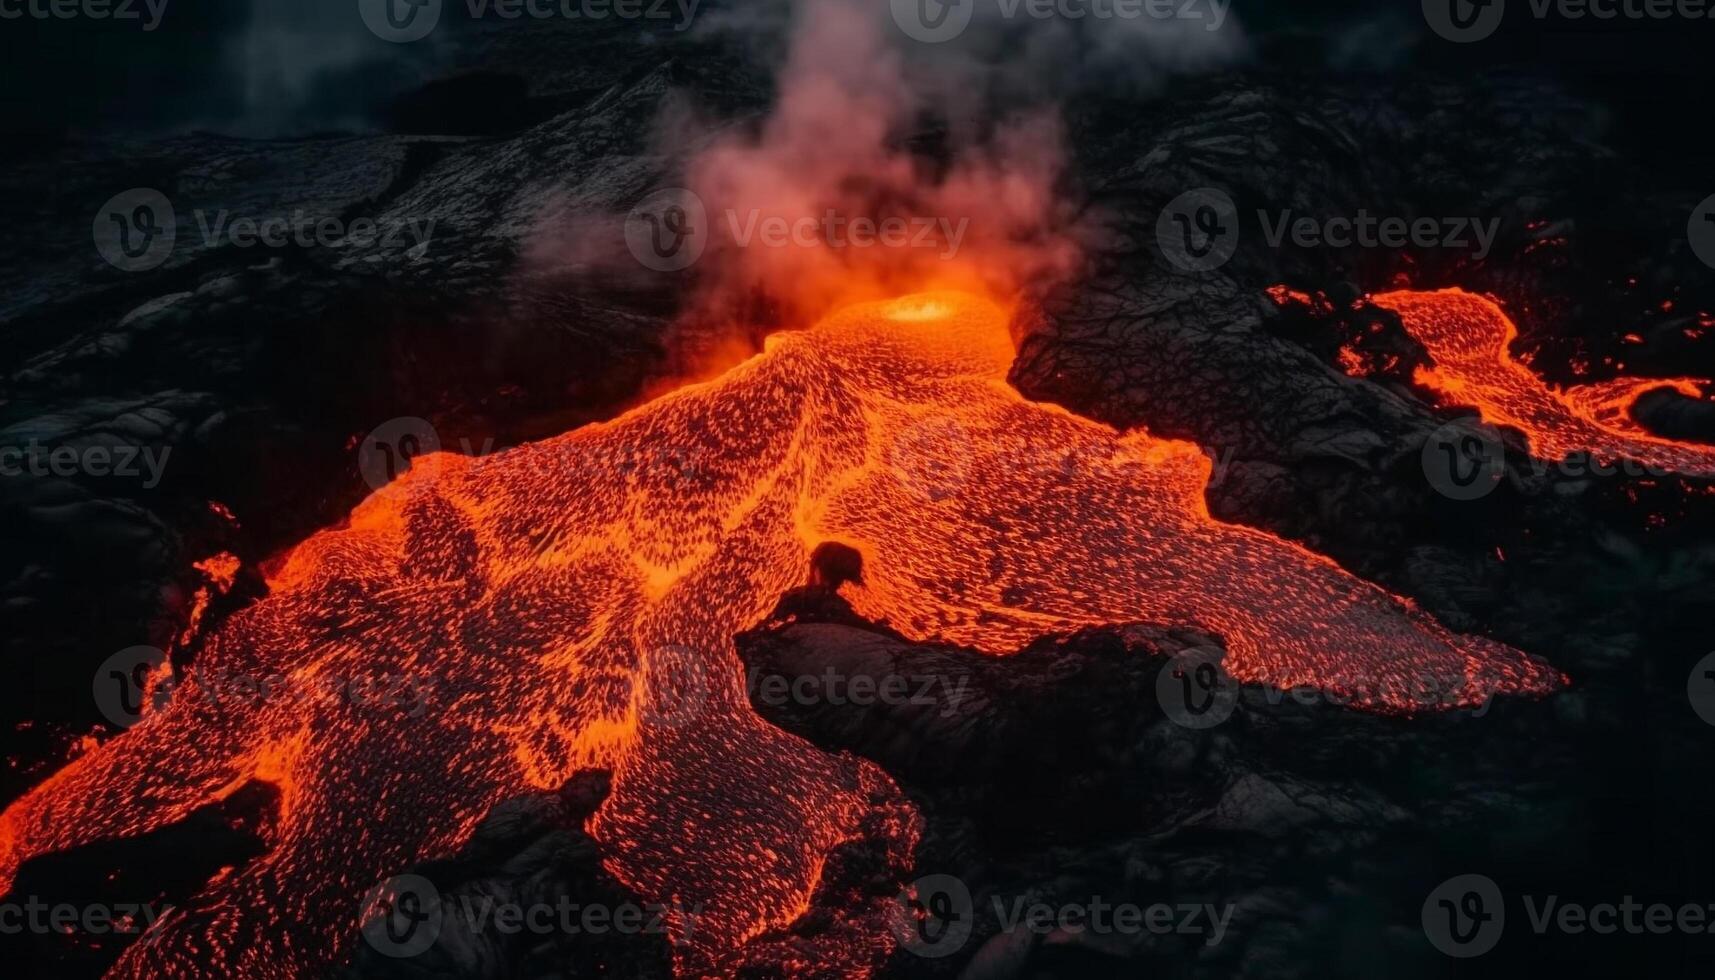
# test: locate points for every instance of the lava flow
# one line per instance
(557, 590)
(1470, 338)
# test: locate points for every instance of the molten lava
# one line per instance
(1469, 338)
(572, 602)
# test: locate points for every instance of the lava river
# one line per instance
(1470, 338)
(558, 592)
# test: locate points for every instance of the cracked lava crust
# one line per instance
(573, 602)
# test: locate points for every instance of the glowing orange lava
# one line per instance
(557, 593)
(1469, 338)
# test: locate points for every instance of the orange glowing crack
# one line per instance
(1469, 339)
(575, 623)
(220, 572)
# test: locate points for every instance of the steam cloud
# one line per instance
(958, 146)
(870, 125)
(832, 154)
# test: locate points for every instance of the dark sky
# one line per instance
(272, 68)
(254, 67)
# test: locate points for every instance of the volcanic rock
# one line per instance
(530, 854)
(1061, 779)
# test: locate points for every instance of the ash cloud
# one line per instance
(962, 140)
(959, 145)
(855, 137)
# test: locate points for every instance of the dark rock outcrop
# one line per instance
(526, 897)
(1064, 779)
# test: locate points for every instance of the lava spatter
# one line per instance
(1469, 338)
(571, 604)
